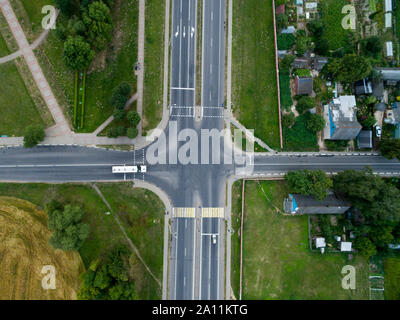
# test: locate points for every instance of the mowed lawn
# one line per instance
(17, 108)
(277, 261)
(254, 86)
(31, 16)
(154, 63)
(140, 212)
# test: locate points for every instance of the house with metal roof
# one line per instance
(364, 139)
(300, 204)
(388, 13)
(341, 119)
(391, 76)
(304, 86)
(363, 87)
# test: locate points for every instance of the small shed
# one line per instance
(299, 11)
(365, 139)
(304, 85)
(320, 243)
(299, 2)
(290, 29)
(311, 5)
(345, 246)
(389, 49)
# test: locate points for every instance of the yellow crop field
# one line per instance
(24, 251)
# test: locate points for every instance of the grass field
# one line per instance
(331, 12)
(277, 261)
(284, 84)
(3, 47)
(32, 16)
(17, 108)
(392, 278)
(140, 211)
(154, 62)
(25, 250)
(255, 101)
(298, 138)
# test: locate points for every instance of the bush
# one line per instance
(132, 133)
(118, 101)
(119, 115)
(315, 122)
(336, 145)
(305, 103)
(285, 41)
(123, 89)
(34, 134)
(365, 246)
(288, 120)
(134, 118)
(299, 138)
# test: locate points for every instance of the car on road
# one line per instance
(214, 238)
(378, 131)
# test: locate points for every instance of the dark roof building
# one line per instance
(301, 204)
(364, 139)
(378, 89)
(319, 62)
(304, 85)
(301, 63)
(363, 87)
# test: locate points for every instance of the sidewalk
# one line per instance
(141, 42)
(62, 126)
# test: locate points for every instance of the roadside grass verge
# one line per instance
(277, 261)
(392, 278)
(331, 14)
(299, 138)
(254, 89)
(154, 62)
(235, 241)
(136, 208)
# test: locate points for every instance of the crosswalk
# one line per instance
(184, 212)
(212, 212)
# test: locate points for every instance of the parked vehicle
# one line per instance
(378, 131)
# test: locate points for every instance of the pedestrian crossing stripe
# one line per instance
(184, 212)
(212, 212)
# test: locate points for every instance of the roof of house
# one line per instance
(343, 123)
(290, 29)
(320, 242)
(381, 106)
(319, 62)
(389, 49)
(299, 2)
(365, 139)
(301, 204)
(378, 89)
(280, 9)
(311, 5)
(363, 87)
(345, 246)
(301, 63)
(304, 85)
(390, 73)
(299, 11)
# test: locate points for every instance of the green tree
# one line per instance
(303, 43)
(67, 7)
(286, 61)
(372, 46)
(390, 148)
(288, 120)
(132, 133)
(365, 246)
(69, 232)
(34, 134)
(316, 28)
(134, 118)
(368, 122)
(305, 103)
(315, 183)
(109, 278)
(124, 89)
(118, 100)
(350, 68)
(315, 122)
(119, 115)
(77, 53)
(99, 25)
